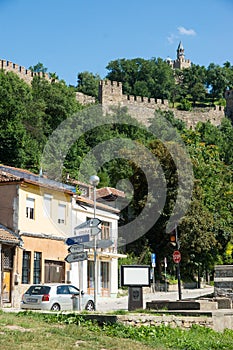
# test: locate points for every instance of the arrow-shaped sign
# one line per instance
(77, 239)
(76, 248)
(73, 257)
(89, 223)
(88, 231)
(100, 243)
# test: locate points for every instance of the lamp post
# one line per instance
(94, 181)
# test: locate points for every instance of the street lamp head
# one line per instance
(94, 180)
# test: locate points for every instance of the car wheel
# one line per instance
(90, 306)
(55, 307)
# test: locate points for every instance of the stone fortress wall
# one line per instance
(140, 108)
(143, 108)
(23, 73)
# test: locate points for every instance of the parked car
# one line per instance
(55, 297)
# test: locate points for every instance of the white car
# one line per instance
(56, 297)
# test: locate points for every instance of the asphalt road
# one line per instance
(121, 303)
(111, 304)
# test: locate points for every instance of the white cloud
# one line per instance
(184, 31)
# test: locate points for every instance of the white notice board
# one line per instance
(135, 275)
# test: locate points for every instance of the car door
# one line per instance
(64, 297)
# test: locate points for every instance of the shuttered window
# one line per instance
(61, 213)
(30, 208)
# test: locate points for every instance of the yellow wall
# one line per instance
(42, 224)
(50, 249)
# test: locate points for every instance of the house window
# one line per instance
(104, 275)
(37, 268)
(105, 230)
(90, 274)
(30, 208)
(47, 205)
(26, 267)
(54, 271)
(61, 213)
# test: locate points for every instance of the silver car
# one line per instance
(56, 297)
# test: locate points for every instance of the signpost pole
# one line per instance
(179, 282)
(165, 273)
(94, 180)
(178, 266)
(80, 284)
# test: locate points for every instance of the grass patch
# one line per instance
(28, 330)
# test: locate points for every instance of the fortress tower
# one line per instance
(180, 61)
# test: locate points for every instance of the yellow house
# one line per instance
(44, 213)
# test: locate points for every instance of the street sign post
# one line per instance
(153, 259)
(89, 223)
(76, 248)
(77, 239)
(74, 257)
(100, 243)
(176, 256)
(93, 231)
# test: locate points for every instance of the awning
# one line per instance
(107, 255)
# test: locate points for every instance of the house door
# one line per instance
(6, 293)
(104, 278)
(7, 267)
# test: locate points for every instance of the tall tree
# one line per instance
(88, 83)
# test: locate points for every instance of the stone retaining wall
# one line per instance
(166, 320)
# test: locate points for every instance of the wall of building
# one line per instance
(43, 223)
(8, 203)
(50, 249)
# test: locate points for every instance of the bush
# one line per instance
(185, 105)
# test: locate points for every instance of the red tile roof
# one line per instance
(8, 236)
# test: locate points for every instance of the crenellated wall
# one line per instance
(111, 93)
(25, 74)
(140, 108)
(143, 108)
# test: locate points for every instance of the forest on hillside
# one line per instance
(30, 114)
(155, 78)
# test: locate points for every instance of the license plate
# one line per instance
(31, 300)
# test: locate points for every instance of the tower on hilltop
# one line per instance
(180, 61)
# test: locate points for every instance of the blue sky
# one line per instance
(72, 36)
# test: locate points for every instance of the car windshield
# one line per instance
(38, 290)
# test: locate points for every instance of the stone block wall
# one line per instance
(23, 73)
(143, 108)
(223, 280)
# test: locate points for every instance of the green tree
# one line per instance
(217, 81)
(88, 84)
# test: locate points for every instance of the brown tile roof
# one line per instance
(25, 176)
(109, 191)
(90, 202)
(7, 177)
(8, 236)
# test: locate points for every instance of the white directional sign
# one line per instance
(88, 231)
(76, 248)
(89, 223)
(73, 257)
